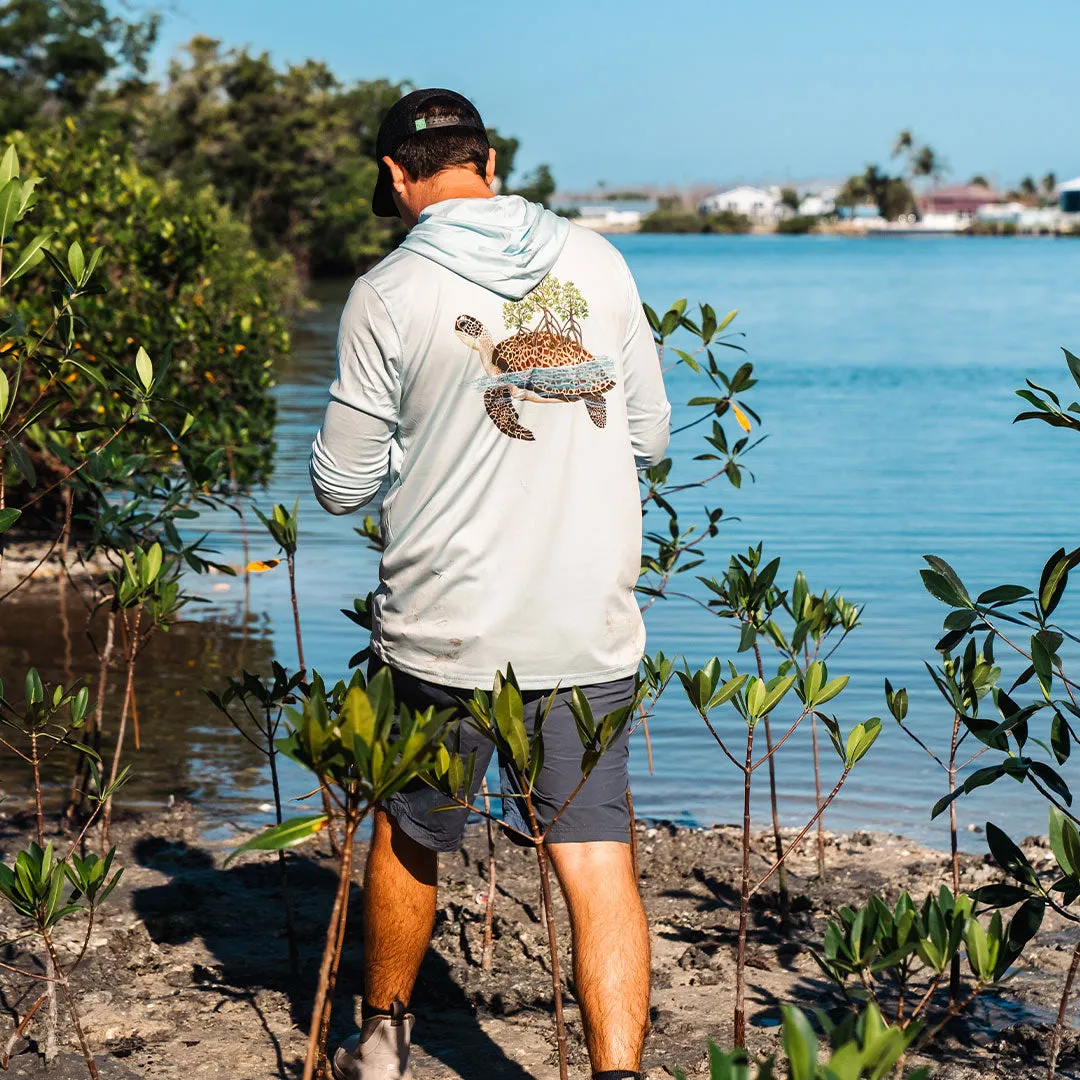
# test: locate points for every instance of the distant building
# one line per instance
(610, 218)
(758, 205)
(1069, 196)
(964, 200)
(819, 203)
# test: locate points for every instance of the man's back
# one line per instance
(505, 354)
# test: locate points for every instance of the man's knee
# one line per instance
(593, 866)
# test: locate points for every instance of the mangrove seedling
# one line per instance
(752, 698)
(263, 704)
(350, 740)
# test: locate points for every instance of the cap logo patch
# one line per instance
(420, 123)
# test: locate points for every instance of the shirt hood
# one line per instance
(504, 243)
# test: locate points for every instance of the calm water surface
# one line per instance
(886, 373)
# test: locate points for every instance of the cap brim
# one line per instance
(382, 199)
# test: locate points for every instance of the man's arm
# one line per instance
(350, 455)
(647, 406)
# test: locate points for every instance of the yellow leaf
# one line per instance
(743, 419)
(260, 567)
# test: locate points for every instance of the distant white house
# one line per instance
(1069, 196)
(819, 203)
(757, 204)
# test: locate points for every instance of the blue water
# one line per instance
(886, 372)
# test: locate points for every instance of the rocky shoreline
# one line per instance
(187, 972)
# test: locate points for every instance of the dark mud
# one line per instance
(187, 972)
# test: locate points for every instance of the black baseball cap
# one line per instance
(407, 118)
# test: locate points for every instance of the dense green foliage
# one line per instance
(671, 216)
(184, 280)
(290, 151)
(56, 54)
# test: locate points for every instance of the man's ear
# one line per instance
(397, 174)
(489, 172)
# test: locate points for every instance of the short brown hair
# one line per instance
(429, 152)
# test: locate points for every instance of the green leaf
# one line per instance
(999, 895)
(1009, 857)
(31, 255)
(861, 738)
(9, 167)
(10, 200)
(1043, 663)
(510, 720)
(286, 835)
(1065, 843)
(800, 1044)
(1060, 739)
(76, 260)
(938, 587)
(1072, 361)
(153, 563)
(144, 368)
(831, 689)
(5, 391)
(1003, 594)
(8, 517)
(941, 567)
(1055, 577)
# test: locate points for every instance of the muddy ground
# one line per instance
(187, 972)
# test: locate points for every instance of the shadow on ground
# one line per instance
(238, 916)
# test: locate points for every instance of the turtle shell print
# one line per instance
(543, 359)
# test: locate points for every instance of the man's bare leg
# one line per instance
(611, 949)
(399, 913)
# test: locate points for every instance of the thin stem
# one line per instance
(802, 832)
(133, 638)
(290, 926)
(35, 762)
(1059, 1026)
(488, 950)
(934, 984)
(553, 942)
(633, 835)
(817, 798)
(954, 966)
(22, 1025)
(778, 843)
(720, 742)
(915, 738)
(787, 735)
(744, 899)
(65, 989)
(346, 863)
(332, 932)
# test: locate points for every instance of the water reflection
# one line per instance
(186, 749)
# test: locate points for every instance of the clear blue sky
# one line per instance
(694, 90)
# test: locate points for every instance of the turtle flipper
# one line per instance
(501, 410)
(597, 407)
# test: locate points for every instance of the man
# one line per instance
(499, 369)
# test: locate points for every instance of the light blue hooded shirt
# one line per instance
(503, 243)
(512, 519)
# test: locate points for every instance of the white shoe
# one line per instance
(379, 1050)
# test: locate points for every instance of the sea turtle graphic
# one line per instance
(536, 365)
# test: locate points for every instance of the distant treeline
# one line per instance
(290, 151)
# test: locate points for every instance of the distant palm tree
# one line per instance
(927, 163)
(978, 180)
(1049, 185)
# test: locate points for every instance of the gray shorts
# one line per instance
(599, 811)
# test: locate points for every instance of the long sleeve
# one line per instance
(351, 452)
(647, 407)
